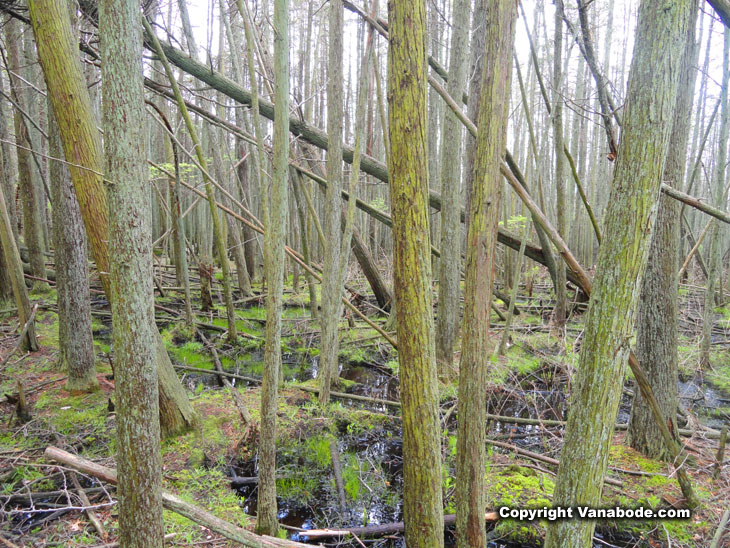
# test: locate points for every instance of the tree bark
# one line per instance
(32, 231)
(139, 459)
(57, 52)
(657, 322)
(447, 322)
(274, 265)
(561, 296)
(484, 213)
(17, 279)
(653, 81)
(714, 268)
(331, 290)
(75, 339)
(422, 505)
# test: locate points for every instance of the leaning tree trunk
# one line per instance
(266, 522)
(139, 460)
(58, 55)
(484, 213)
(653, 81)
(422, 507)
(657, 329)
(15, 272)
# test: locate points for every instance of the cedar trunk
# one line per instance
(139, 460)
(422, 503)
(484, 213)
(653, 81)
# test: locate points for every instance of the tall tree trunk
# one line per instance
(331, 292)
(266, 522)
(422, 503)
(58, 55)
(75, 339)
(719, 197)
(447, 323)
(480, 264)
(657, 323)
(561, 296)
(653, 81)
(32, 230)
(139, 460)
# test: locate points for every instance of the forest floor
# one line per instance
(215, 467)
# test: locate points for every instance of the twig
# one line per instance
(93, 518)
(22, 335)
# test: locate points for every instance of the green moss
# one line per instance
(318, 451)
(629, 458)
(351, 473)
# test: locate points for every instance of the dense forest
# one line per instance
(423, 273)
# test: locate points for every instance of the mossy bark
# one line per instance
(484, 213)
(274, 265)
(139, 459)
(653, 81)
(657, 322)
(422, 504)
(67, 91)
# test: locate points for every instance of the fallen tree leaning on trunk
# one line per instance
(176, 504)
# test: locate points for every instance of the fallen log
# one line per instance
(380, 530)
(175, 504)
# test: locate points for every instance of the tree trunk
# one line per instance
(422, 503)
(331, 291)
(266, 522)
(447, 322)
(32, 230)
(561, 296)
(484, 213)
(15, 272)
(720, 197)
(653, 81)
(657, 323)
(139, 460)
(58, 55)
(75, 339)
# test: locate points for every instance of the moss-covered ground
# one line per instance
(530, 381)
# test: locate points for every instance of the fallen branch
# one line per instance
(175, 504)
(380, 530)
(313, 390)
(542, 458)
